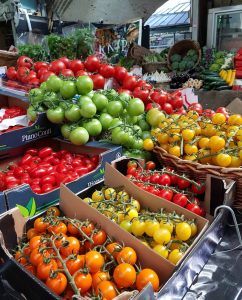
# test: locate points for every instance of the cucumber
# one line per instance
(214, 79)
(216, 84)
(223, 87)
(209, 73)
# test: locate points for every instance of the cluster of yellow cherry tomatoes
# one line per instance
(169, 234)
(215, 140)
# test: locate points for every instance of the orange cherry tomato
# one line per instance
(124, 275)
(146, 276)
(127, 255)
(99, 277)
(59, 228)
(31, 233)
(114, 249)
(40, 225)
(75, 264)
(94, 261)
(72, 247)
(57, 284)
(106, 289)
(43, 269)
(83, 282)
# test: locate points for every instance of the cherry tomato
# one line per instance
(146, 276)
(124, 275)
(94, 261)
(58, 283)
(180, 199)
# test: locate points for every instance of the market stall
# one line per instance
(119, 166)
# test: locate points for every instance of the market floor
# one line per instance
(221, 277)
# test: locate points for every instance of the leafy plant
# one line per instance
(36, 52)
(62, 46)
(85, 42)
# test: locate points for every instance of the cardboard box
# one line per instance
(11, 140)
(30, 203)
(114, 179)
(13, 225)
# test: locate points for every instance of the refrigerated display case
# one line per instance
(225, 28)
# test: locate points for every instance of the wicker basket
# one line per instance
(199, 171)
(8, 59)
(152, 67)
(182, 48)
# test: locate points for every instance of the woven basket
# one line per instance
(198, 171)
(182, 48)
(152, 67)
(8, 59)
(137, 52)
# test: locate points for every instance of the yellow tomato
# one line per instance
(123, 196)
(151, 226)
(203, 156)
(235, 162)
(223, 159)
(97, 196)
(218, 119)
(188, 134)
(174, 128)
(174, 150)
(168, 225)
(165, 147)
(235, 120)
(174, 137)
(190, 149)
(148, 145)
(183, 231)
(162, 236)
(162, 138)
(163, 125)
(131, 213)
(190, 157)
(239, 135)
(210, 130)
(110, 193)
(87, 200)
(203, 142)
(193, 115)
(193, 229)
(154, 132)
(161, 250)
(135, 204)
(174, 256)
(216, 143)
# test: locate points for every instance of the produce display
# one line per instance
(169, 185)
(169, 234)
(74, 257)
(9, 118)
(45, 169)
(203, 136)
(186, 62)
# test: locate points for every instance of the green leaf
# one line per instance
(23, 210)
(31, 206)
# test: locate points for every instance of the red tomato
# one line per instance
(196, 209)
(46, 188)
(32, 75)
(57, 66)
(222, 110)
(92, 63)
(152, 105)
(26, 159)
(165, 180)
(121, 90)
(22, 74)
(154, 178)
(177, 102)
(167, 107)
(198, 189)
(24, 61)
(107, 71)
(81, 73)
(129, 82)
(166, 194)
(143, 84)
(40, 64)
(183, 183)
(48, 179)
(120, 73)
(45, 76)
(41, 71)
(180, 200)
(34, 81)
(67, 73)
(150, 165)
(76, 65)
(66, 61)
(38, 172)
(98, 81)
(181, 111)
(209, 113)
(11, 73)
(44, 152)
(196, 107)
(141, 93)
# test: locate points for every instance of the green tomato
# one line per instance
(56, 115)
(143, 125)
(79, 136)
(100, 101)
(43, 86)
(84, 100)
(90, 94)
(131, 120)
(36, 96)
(138, 144)
(105, 120)
(124, 97)
(115, 108)
(88, 110)
(50, 99)
(68, 89)
(84, 85)
(146, 135)
(94, 127)
(73, 113)
(115, 135)
(137, 129)
(135, 107)
(54, 83)
(31, 113)
(65, 131)
(115, 122)
(126, 225)
(154, 117)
